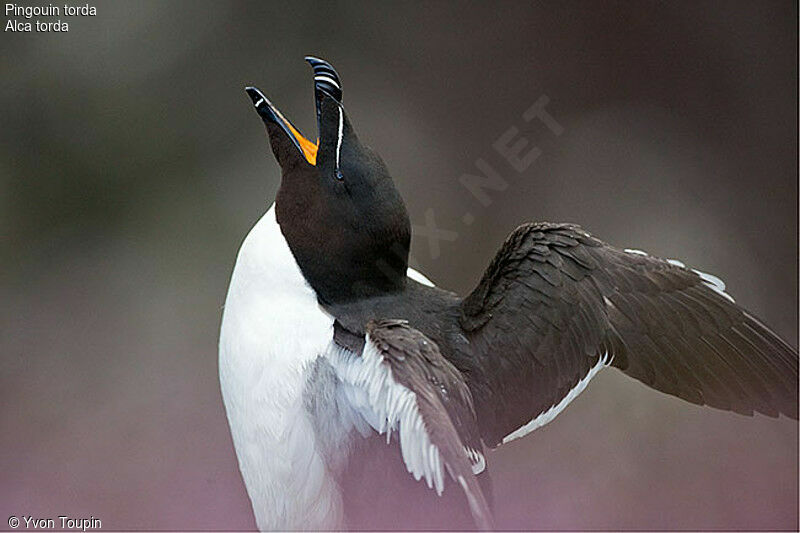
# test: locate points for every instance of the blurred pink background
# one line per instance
(132, 166)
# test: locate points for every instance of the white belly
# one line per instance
(272, 329)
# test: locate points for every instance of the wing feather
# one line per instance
(555, 299)
(413, 390)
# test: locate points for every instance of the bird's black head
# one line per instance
(337, 206)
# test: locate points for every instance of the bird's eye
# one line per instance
(339, 174)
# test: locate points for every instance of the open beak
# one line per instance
(269, 113)
(326, 86)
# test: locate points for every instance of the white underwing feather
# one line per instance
(714, 283)
(418, 277)
(390, 407)
(476, 459)
(709, 280)
(548, 415)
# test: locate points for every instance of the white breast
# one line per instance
(272, 329)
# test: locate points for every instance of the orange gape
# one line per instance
(309, 148)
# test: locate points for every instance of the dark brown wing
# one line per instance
(556, 302)
(436, 422)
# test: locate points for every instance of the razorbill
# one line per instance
(347, 377)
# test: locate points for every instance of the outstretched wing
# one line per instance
(556, 305)
(398, 380)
